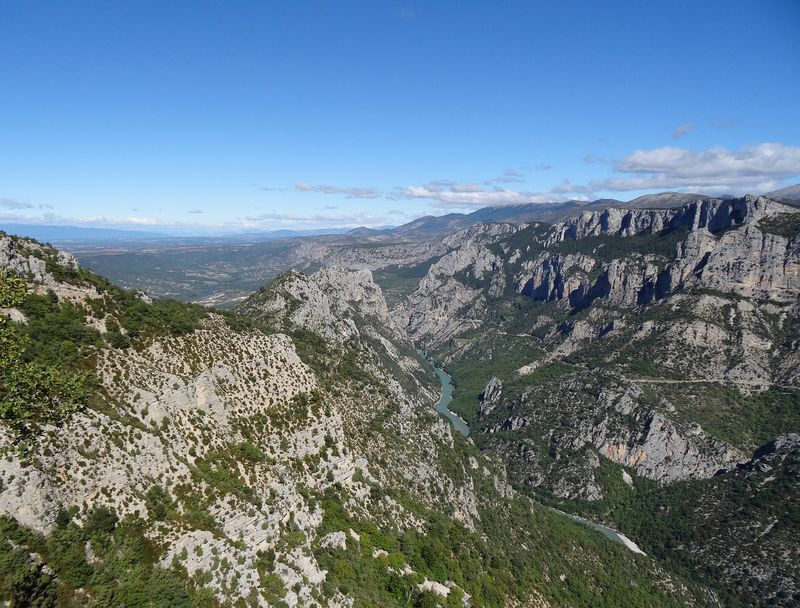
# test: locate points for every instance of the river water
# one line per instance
(462, 427)
(446, 397)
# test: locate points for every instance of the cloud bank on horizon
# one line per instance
(715, 171)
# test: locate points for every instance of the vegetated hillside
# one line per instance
(159, 454)
(626, 364)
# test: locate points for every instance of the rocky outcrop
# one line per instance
(663, 452)
(723, 250)
(490, 396)
(713, 215)
(555, 278)
(452, 295)
(618, 424)
(325, 302)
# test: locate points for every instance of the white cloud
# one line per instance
(131, 220)
(682, 130)
(745, 169)
(356, 218)
(13, 203)
(717, 170)
(466, 188)
(49, 218)
(350, 192)
(462, 197)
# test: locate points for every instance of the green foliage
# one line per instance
(140, 319)
(249, 452)
(160, 317)
(158, 502)
(32, 394)
(783, 224)
(13, 290)
(57, 333)
(125, 571)
(37, 386)
(398, 281)
(46, 363)
(744, 420)
(730, 509)
(610, 247)
(312, 348)
(101, 521)
(483, 563)
(220, 471)
(505, 355)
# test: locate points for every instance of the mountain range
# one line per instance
(629, 374)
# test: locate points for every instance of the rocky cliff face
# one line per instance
(719, 247)
(443, 305)
(269, 457)
(713, 215)
(326, 302)
(658, 345)
(628, 257)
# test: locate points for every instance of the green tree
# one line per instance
(31, 393)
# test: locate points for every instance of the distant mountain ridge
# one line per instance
(429, 225)
(789, 195)
(63, 234)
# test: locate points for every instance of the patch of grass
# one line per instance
(610, 247)
(746, 421)
(783, 224)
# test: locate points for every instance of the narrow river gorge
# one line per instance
(462, 427)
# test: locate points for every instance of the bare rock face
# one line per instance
(490, 396)
(617, 222)
(26, 258)
(724, 250)
(713, 215)
(665, 453)
(325, 302)
(555, 277)
(442, 305)
(753, 264)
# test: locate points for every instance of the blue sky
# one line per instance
(307, 114)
